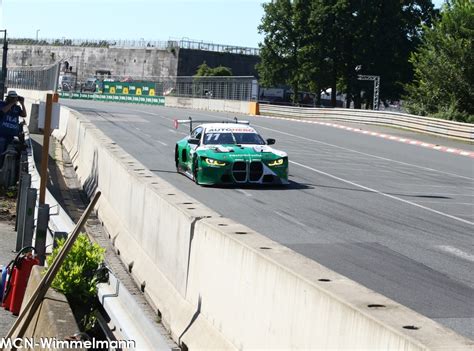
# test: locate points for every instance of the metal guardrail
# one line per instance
(223, 88)
(243, 88)
(142, 43)
(464, 131)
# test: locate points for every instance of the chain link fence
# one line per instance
(34, 78)
(225, 88)
(57, 78)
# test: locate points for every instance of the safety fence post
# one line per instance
(23, 171)
(41, 231)
(21, 209)
(29, 224)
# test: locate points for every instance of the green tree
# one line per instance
(443, 65)
(205, 71)
(282, 56)
(317, 44)
(329, 22)
(382, 35)
(221, 71)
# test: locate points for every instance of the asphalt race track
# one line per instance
(394, 217)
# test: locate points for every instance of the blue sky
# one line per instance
(232, 22)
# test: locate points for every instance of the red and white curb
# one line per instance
(384, 136)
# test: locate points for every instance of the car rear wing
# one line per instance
(190, 121)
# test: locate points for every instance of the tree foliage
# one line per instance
(316, 44)
(205, 71)
(444, 69)
(283, 51)
(76, 278)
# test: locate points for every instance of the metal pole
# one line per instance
(45, 150)
(18, 197)
(25, 184)
(23, 172)
(376, 92)
(376, 80)
(4, 64)
(41, 231)
(56, 78)
(28, 227)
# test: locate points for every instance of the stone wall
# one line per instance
(133, 62)
(141, 62)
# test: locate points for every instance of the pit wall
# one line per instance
(217, 283)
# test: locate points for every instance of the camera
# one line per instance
(21, 99)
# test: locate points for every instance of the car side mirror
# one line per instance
(193, 141)
(271, 141)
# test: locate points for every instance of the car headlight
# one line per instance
(278, 162)
(212, 162)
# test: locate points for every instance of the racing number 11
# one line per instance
(212, 135)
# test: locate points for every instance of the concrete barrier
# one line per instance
(54, 318)
(267, 297)
(436, 126)
(218, 284)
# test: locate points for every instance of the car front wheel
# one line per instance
(176, 158)
(195, 170)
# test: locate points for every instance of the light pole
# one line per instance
(37, 31)
(4, 63)
(376, 80)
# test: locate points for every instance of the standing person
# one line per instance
(10, 113)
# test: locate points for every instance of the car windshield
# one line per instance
(248, 138)
(218, 138)
(233, 138)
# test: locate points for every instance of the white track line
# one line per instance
(381, 135)
(383, 194)
(290, 219)
(363, 153)
(246, 193)
(447, 202)
(456, 252)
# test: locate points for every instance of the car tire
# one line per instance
(195, 170)
(176, 159)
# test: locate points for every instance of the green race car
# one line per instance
(229, 153)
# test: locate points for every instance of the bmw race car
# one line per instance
(229, 152)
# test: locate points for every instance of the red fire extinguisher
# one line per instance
(16, 284)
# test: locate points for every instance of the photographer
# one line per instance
(10, 111)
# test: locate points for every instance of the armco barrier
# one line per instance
(464, 131)
(221, 285)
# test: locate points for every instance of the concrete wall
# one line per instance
(208, 104)
(125, 62)
(140, 62)
(217, 283)
(54, 318)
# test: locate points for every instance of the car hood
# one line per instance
(232, 151)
